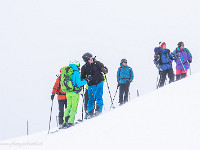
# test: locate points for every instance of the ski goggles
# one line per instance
(91, 58)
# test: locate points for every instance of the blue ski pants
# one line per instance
(95, 90)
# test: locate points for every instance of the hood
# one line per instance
(74, 67)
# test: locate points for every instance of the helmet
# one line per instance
(86, 57)
(180, 43)
(75, 62)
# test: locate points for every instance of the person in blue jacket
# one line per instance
(124, 77)
(163, 60)
(73, 96)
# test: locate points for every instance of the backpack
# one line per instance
(66, 80)
(161, 58)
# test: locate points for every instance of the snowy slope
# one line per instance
(167, 118)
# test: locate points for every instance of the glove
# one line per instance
(177, 55)
(104, 70)
(156, 57)
(89, 78)
(189, 61)
(52, 96)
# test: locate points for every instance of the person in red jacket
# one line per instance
(62, 100)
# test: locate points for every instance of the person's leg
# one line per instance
(184, 73)
(171, 75)
(162, 78)
(69, 106)
(61, 104)
(178, 74)
(99, 99)
(126, 90)
(121, 94)
(75, 100)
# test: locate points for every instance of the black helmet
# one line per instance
(86, 57)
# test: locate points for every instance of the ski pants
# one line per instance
(181, 73)
(72, 105)
(163, 75)
(123, 93)
(62, 105)
(95, 90)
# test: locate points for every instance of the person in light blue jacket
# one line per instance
(124, 77)
(73, 96)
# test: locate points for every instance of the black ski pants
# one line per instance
(62, 105)
(163, 75)
(123, 93)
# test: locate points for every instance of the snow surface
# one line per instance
(167, 118)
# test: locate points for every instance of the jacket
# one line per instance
(57, 90)
(182, 61)
(94, 70)
(124, 74)
(164, 58)
(76, 77)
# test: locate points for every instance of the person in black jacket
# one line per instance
(93, 70)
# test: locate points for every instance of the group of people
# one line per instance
(163, 59)
(93, 74)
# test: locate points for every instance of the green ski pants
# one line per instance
(72, 104)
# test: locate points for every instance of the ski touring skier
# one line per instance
(124, 77)
(72, 88)
(163, 61)
(183, 60)
(62, 101)
(93, 70)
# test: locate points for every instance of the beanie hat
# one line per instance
(161, 44)
(123, 60)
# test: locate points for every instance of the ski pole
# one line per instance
(182, 63)
(109, 91)
(57, 120)
(50, 116)
(83, 102)
(190, 69)
(114, 98)
(138, 93)
(115, 92)
(157, 83)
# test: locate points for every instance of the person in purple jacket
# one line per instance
(183, 60)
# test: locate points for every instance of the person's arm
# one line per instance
(102, 67)
(189, 56)
(79, 83)
(118, 75)
(56, 86)
(132, 74)
(83, 72)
